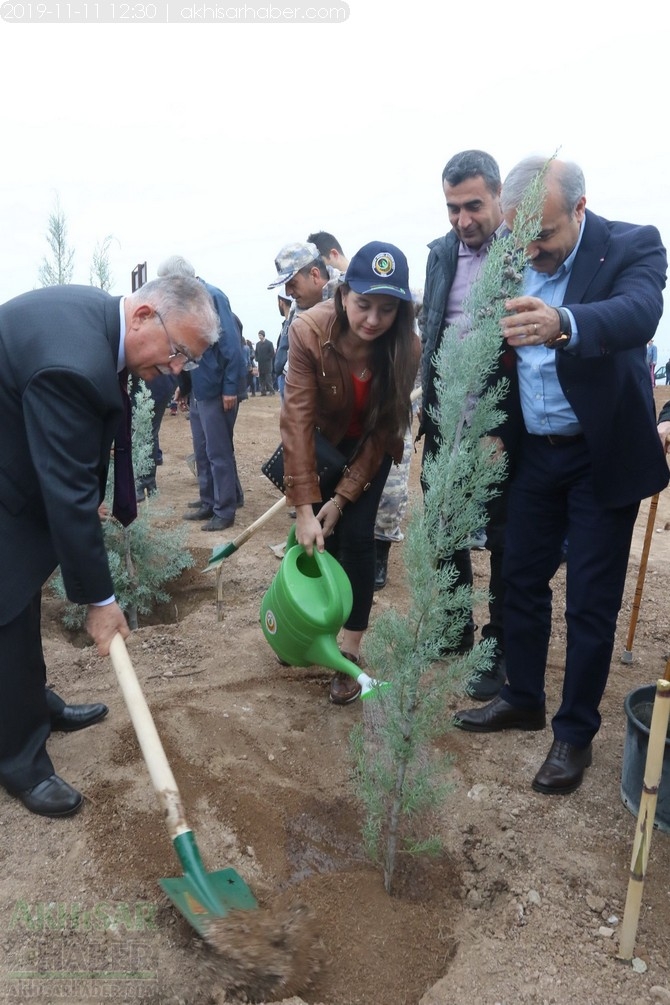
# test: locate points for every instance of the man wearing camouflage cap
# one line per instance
(303, 272)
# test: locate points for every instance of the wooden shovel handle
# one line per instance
(257, 524)
(242, 538)
(152, 749)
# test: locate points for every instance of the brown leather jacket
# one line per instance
(319, 392)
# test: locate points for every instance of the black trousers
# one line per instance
(26, 706)
(353, 543)
(551, 497)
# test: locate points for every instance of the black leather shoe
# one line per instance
(563, 770)
(74, 717)
(51, 798)
(487, 685)
(201, 513)
(218, 523)
(499, 715)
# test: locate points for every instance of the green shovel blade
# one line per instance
(200, 895)
(219, 554)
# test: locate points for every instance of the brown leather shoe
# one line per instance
(343, 688)
(498, 715)
(563, 770)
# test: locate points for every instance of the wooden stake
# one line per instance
(628, 652)
(653, 772)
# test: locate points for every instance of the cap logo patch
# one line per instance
(383, 264)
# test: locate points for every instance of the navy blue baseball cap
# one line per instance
(379, 267)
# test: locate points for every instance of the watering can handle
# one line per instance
(325, 569)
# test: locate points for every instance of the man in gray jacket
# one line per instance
(471, 183)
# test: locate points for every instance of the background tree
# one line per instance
(100, 273)
(57, 269)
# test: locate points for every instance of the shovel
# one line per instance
(199, 895)
(224, 552)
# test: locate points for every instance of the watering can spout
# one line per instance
(324, 651)
(304, 609)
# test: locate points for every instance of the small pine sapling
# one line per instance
(142, 557)
(399, 779)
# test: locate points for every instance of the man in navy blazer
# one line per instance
(61, 352)
(588, 455)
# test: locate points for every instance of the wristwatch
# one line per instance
(561, 340)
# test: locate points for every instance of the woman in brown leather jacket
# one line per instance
(352, 365)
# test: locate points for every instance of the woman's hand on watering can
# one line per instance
(308, 529)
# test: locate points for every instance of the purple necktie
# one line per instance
(124, 506)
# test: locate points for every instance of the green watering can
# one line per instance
(305, 607)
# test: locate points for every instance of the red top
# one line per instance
(361, 395)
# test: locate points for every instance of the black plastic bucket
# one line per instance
(638, 707)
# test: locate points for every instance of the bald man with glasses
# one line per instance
(63, 350)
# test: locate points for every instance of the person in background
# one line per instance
(280, 364)
(330, 250)
(352, 365)
(265, 354)
(248, 363)
(252, 373)
(589, 452)
(217, 387)
(652, 360)
(302, 272)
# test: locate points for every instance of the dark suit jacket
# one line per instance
(615, 293)
(61, 405)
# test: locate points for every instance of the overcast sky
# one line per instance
(223, 141)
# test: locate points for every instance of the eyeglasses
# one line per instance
(191, 363)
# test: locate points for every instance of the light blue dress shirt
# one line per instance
(545, 408)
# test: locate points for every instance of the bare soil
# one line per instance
(520, 907)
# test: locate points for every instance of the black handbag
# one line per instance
(330, 465)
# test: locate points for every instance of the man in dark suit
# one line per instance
(61, 352)
(588, 455)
